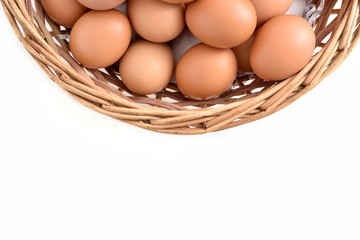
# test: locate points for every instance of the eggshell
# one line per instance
(100, 38)
(177, 1)
(101, 4)
(222, 24)
(65, 12)
(147, 67)
(282, 47)
(123, 8)
(242, 53)
(155, 20)
(206, 72)
(267, 9)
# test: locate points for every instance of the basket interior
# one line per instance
(168, 111)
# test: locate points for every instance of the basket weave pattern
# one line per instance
(250, 98)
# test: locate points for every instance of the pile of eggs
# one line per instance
(216, 38)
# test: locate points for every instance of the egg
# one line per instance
(205, 72)
(282, 47)
(266, 9)
(242, 53)
(65, 12)
(155, 20)
(122, 8)
(101, 4)
(222, 24)
(147, 67)
(100, 38)
(177, 1)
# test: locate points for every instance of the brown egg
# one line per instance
(266, 9)
(242, 53)
(177, 1)
(101, 4)
(65, 12)
(282, 47)
(100, 38)
(222, 24)
(206, 72)
(155, 20)
(147, 67)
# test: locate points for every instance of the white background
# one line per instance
(67, 172)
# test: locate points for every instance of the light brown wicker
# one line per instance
(251, 98)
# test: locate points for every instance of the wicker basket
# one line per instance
(250, 98)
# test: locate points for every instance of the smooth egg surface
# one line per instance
(65, 12)
(221, 24)
(205, 72)
(242, 53)
(282, 47)
(266, 9)
(147, 67)
(155, 20)
(100, 38)
(177, 1)
(101, 4)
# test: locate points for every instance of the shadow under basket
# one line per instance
(250, 98)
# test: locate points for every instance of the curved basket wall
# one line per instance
(250, 98)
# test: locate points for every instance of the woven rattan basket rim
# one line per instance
(250, 99)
